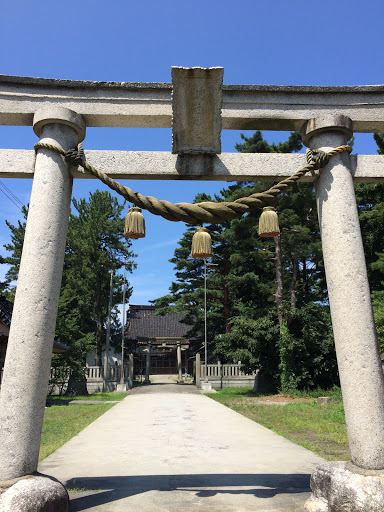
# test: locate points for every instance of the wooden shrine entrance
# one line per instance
(164, 339)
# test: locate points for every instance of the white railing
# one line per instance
(92, 373)
(114, 372)
(224, 370)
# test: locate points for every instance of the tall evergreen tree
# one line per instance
(259, 283)
(370, 202)
(95, 247)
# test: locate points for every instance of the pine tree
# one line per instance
(262, 287)
(95, 247)
(370, 202)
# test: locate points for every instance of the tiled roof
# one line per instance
(6, 317)
(5, 311)
(144, 323)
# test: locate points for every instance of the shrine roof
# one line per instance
(5, 311)
(145, 323)
(6, 308)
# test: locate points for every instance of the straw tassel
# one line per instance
(134, 224)
(201, 244)
(269, 223)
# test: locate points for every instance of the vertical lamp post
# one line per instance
(205, 315)
(205, 321)
(202, 248)
(106, 355)
(123, 329)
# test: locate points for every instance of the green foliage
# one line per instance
(307, 354)
(301, 357)
(286, 365)
(267, 298)
(95, 246)
(370, 201)
(379, 139)
(245, 317)
(257, 144)
(254, 342)
(15, 247)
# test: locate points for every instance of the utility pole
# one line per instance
(105, 373)
(123, 330)
(205, 316)
(205, 320)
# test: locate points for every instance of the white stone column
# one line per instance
(28, 362)
(130, 371)
(198, 371)
(179, 369)
(147, 364)
(357, 350)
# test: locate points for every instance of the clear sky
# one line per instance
(257, 42)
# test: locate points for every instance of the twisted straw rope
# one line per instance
(207, 211)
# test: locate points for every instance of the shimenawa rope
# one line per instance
(208, 212)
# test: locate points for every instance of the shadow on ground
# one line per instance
(164, 387)
(101, 490)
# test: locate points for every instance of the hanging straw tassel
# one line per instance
(269, 223)
(134, 224)
(201, 244)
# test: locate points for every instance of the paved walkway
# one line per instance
(168, 448)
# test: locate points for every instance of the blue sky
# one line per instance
(257, 42)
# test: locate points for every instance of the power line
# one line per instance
(11, 193)
(10, 198)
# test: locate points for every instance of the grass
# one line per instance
(320, 429)
(104, 397)
(63, 423)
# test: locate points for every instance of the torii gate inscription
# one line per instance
(197, 106)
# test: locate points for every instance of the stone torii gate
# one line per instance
(197, 106)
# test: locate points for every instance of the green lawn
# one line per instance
(62, 422)
(320, 429)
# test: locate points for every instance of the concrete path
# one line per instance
(168, 448)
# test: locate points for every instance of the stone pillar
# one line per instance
(29, 351)
(147, 364)
(198, 371)
(130, 371)
(179, 368)
(186, 361)
(357, 350)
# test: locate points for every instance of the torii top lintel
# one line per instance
(244, 107)
(197, 106)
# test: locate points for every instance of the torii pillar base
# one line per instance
(340, 486)
(33, 493)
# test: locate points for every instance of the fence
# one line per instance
(224, 370)
(224, 375)
(94, 375)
